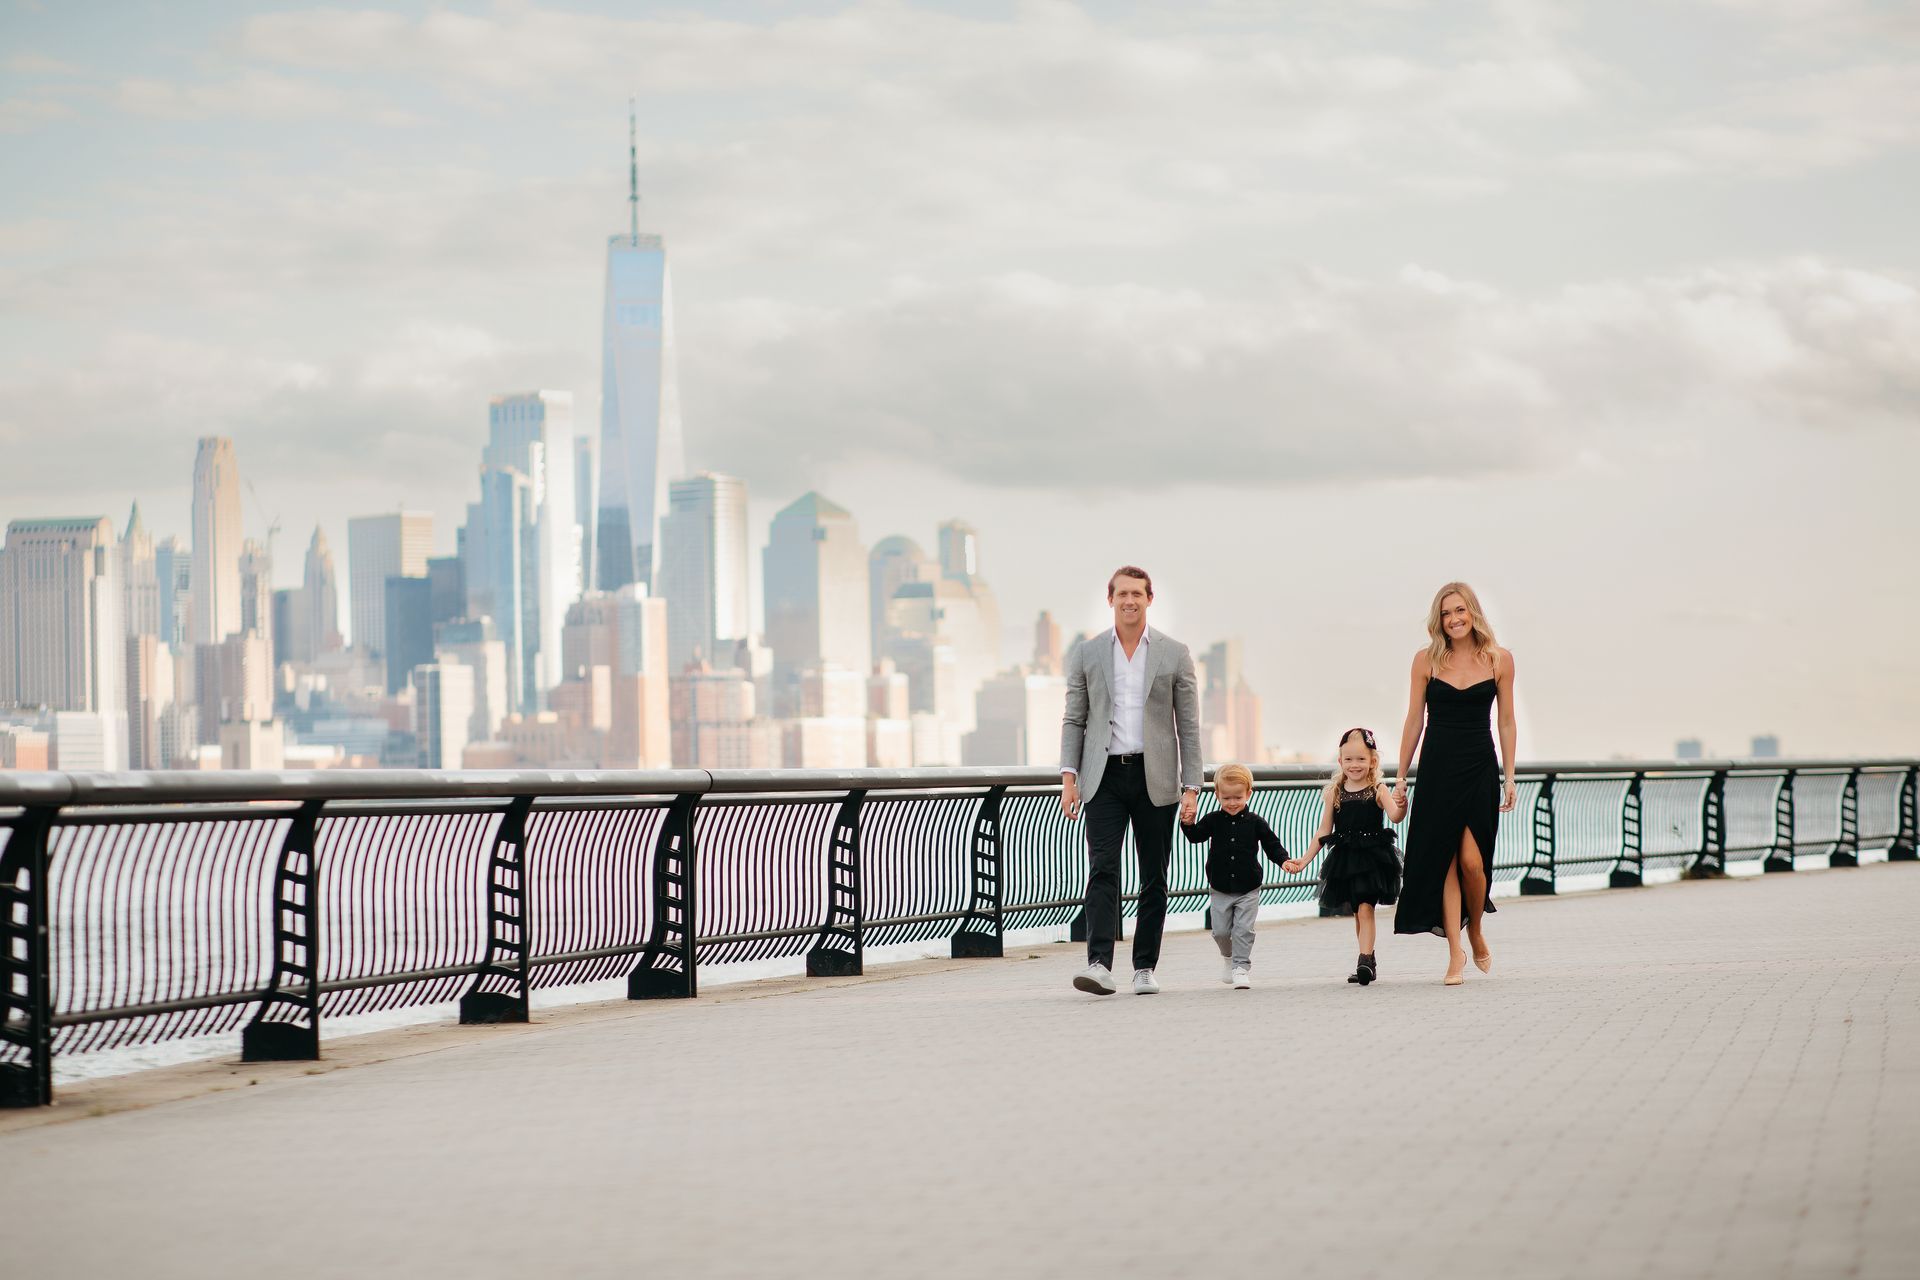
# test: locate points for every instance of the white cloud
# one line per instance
(1029, 382)
(254, 95)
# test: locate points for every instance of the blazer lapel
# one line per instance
(1100, 664)
(1157, 652)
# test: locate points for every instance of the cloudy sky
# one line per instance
(1611, 309)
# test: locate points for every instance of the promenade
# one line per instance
(1702, 1079)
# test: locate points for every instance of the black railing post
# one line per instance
(1846, 850)
(669, 968)
(845, 921)
(508, 936)
(1780, 856)
(1544, 852)
(1906, 845)
(296, 952)
(981, 933)
(1711, 860)
(26, 961)
(1630, 867)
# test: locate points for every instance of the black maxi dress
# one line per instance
(1458, 790)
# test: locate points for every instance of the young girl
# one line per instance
(1363, 870)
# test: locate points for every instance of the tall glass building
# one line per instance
(640, 441)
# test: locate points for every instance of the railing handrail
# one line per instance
(187, 786)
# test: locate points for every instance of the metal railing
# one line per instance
(137, 908)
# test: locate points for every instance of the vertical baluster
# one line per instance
(508, 937)
(669, 968)
(1906, 845)
(1535, 883)
(296, 952)
(26, 961)
(1846, 850)
(1711, 860)
(981, 933)
(845, 924)
(1629, 867)
(1780, 856)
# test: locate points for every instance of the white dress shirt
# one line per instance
(1128, 728)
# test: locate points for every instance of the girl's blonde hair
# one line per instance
(1337, 784)
(1438, 644)
(1233, 773)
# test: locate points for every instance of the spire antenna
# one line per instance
(633, 175)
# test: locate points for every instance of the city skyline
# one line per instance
(1580, 316)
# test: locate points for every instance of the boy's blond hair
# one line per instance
(1233, 773)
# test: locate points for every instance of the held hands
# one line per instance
(1189, 806)
(1070, 796)
(1508, 796)
(1294, 866)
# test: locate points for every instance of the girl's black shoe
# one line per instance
(1366, 971)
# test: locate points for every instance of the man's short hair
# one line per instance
(1130, 571)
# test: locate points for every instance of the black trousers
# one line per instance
(1120, 801)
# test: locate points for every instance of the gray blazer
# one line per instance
(1172, 716)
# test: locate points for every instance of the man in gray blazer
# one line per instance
(1130, 750)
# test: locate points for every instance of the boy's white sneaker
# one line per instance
(1242, 980)
(1226, 969)
(1095, 978)
(1143, 983)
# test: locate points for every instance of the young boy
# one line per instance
(1235, 836)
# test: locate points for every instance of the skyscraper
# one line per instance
(959, 551)
(216, 541)
(139, 578)
(640, 438)
(815, 581)
(703, 569)
(256, 591)
(532, 433)
(62, 642)
(322, 606)
(586, 504)
(173, 572)
(892, 564)
(443, 697)
(498, 546)
(395, 545)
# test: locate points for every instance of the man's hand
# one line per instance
(1070, 796)
(1189, 806)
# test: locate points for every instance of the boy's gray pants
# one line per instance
(1233, 915)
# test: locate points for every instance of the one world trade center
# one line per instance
(640, 442)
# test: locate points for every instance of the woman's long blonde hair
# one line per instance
(1337, 784)
(1438, 644)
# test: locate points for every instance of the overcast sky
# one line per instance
(1612, 309)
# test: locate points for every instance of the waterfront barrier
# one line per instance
(137, 908)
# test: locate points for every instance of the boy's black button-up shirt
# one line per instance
(1234, 842)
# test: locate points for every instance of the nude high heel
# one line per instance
(1456, 972)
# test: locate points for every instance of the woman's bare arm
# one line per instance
(1509, 733)
(1416, 721)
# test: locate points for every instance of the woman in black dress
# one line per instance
(1457, 679)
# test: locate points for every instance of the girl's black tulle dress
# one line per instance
(1458, 789)
(1362, 863)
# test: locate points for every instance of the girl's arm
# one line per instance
(1416, 722)
(1395, 805)
(1503, 681)
(1294, 866)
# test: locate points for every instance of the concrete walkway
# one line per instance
(1691, 1080)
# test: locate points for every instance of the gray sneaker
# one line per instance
(1143, 983)
(1242, 980)
(1096, 978)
